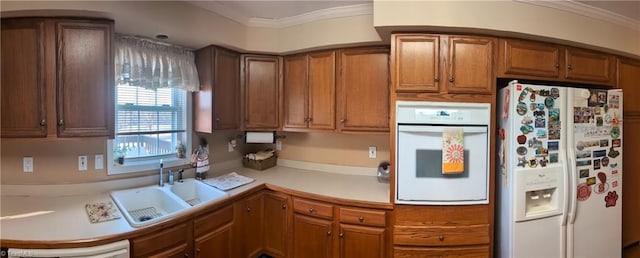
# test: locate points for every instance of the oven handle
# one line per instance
(439, 129)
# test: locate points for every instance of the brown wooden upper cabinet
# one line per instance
(536, 60)
(363, 90)
(442, 63)
(217, 104)
(309, 91)
(261, 92)
(57, 78)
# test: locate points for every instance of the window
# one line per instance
(153, 100)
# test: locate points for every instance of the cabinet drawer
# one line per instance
(441, 235)
(172, 238)
(212, 221)
(458, 252)
(312, 208)
(362, 216)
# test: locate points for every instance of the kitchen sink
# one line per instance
(195, 192)
(151, 204)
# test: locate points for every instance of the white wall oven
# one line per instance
(442, 153)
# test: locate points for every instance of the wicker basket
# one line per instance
(260, 164)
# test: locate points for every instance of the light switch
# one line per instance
(27, 164)
(99, 160)
(82, 163)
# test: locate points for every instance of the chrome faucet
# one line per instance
(161, 184)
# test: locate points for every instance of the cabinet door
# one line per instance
(215, 244)
(360, 241)
(250, 224)
(363, 90)
(85, 96)
(176, 241)
(23, 93)
(261, 92)
(322, 94)
(519, 57)
(470, 65)
(276, 229)
(628, 81)
(589, 66)
(226, 92)
(295, 92)
(458, 252)
(312, 237)
(416, 62)
(202, 106)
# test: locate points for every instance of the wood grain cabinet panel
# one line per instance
(416, 62)
(276, 224)
(24, 103)
(458, 252)
(176, 241)
(629, 82)
(86, 87)
(313, 208)
(519, 57)
(217, 104)
(470, 65)
(249, 222)
(213, 233)
(57, 78)
(313, 237)
(589, 66)
(359, 216)
(441, 235)
(360, 241)
(309, 92)
(363, 90)
(261, 92)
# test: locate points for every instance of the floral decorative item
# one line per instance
(181, 151)
(119, 152)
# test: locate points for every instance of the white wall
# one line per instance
(506, 18)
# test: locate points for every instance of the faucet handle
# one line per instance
(180, 175)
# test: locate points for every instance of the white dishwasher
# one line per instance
(118, 249)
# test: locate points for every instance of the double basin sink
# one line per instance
(151, 204)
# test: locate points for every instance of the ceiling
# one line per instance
(280, 13)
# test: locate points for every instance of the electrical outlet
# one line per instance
(82, 163)
(99, 161)
(27, 164)
(229, 147)
(372, 152)
(278, 145)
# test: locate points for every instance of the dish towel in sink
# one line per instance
(452, 151)
(102, 211)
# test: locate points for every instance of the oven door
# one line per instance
(419, 177)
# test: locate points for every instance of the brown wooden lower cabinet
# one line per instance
(249, 221)
(276, 224)
(176, 241)
(214, 234)
(428, 252)
(313, 237)
(362, 241)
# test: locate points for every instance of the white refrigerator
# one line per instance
(559, 181)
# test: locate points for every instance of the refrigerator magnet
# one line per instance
(522, 161)
(584, 173)
(616, 143)
(553, 158)
(521, 108)
(613, 153)
(607, 118)
(614, 184)
(599, 121)
(540, 122)
(527, 120)
(591, 181)
(601, 188)
(553, 146)
(522, 150)
(549, 102)
(533, 106)
(555, 93)
(543, 162)
(521, 139)
(605, 161)
(596, 164)
(584, 191)
(611, 199)
(533, 162)
(541, 133)
(532, 98)
(604, 143)
(615, 132)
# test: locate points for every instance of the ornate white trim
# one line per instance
(587, 10)
(329, 13)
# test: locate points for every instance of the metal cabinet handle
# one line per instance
(197, 250)
(248, 209)
(43, 122)
(186, 255)
(436, 78)
(451, 79)
(341, 234)
(284, 206)
(310, 119)
(342, 121)
(441, 238)
(569, 67)
(557, 66)
(311, 210)
(217, 120)
(361, 219)
(60, 122)
(328, 233)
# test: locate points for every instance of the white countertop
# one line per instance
(60, 218)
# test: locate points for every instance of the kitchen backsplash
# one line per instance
(56, 161)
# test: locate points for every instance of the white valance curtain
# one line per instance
(152, 65)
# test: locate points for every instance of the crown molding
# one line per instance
(223, 10)
(587, 10)
(329, 13)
